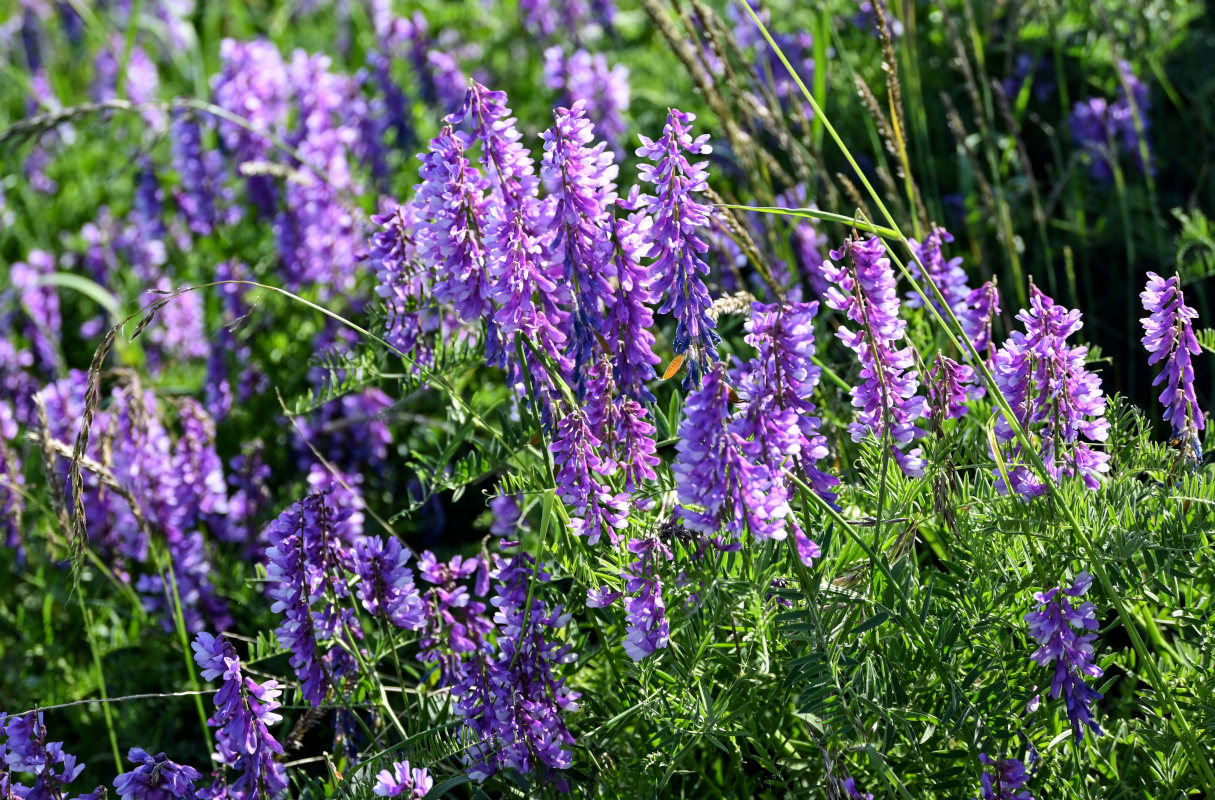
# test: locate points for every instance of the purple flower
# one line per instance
(450, 208)
(886, 399)
(1053, 396)
(506, 162)
(456, 632)
(673, 241)
(1004, 781)
(244, 712)
(585, 78)
(977, 313)
(411, 322)
(403, 781)
(1061, 631)
(24, 749)
(385, 586)
(507, 515)
(950, 385)
(724, 481)
(39, 305)
(1169, 337)
(949, 277)
(514, 710)
(12, 481)
(1100, 126)
(303, 569)
(157, 778)
(545, 17)
(776, 386)
(201, 176)
(648, 629)
(628, 325)
(601, 597)
(252, 84)
(581, 178)
(595, 509)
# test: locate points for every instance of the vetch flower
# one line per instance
(724, 481)
(1004, 779)
(303, 566)
(1052, 395)
(156, 778)
(244, 712)
(596, 510)
(886, 399)
(1062, 632)
(648, 629)
(674, 244)
(385, 585)
(403, 781)
(1169, 337)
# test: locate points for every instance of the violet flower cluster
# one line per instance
(1053, 396)
(303, 569)
(24, 749)
(156, 778)
(412, 783)
(1063, 633)
(1169, 337)
(886, 399)
(646, 613)
(174, 487)
(514, 705)
(584, 77)
(1004, 779)
(244, 712)
(674, 244)
(1103, 128)
(723, 481)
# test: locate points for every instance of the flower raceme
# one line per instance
(1063, 634)
(1169, 337)
(1052, 395)
(674, 244)
(886, 400)
(244, 712)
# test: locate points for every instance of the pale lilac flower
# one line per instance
(1053, 396)
(886, 400)
(1169, 337)
(674, 244)
(1063, 633)
(403, 781)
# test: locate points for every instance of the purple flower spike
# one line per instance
(978, 312)
(386, 584)
(648, 629)
(157, 778)
(776, 386)
(403, 781)
(1053, 395)
(886, 399)
(674, 243)
(950, 385)
(582, 181)
(1005, 782)
(244, 712)
(303, 564)
(1169, 337)
(948, 276)
(450, 207)
(1062, 632)
(24, 749)
(595, 509)
(585, 78)
(722, 479)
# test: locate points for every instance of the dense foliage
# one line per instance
(618, 399)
